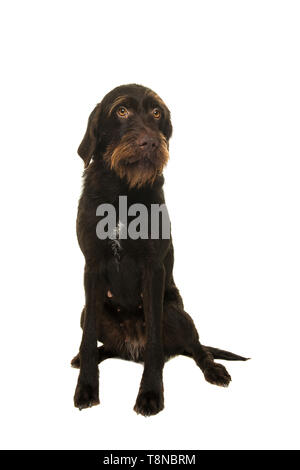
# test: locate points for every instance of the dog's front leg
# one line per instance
(87, 390)
(150, 399)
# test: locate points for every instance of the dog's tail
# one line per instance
(219, 354)
(228, 356)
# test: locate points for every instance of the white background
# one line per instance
(229, 71)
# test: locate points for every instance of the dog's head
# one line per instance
(130, 131)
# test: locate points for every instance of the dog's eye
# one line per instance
(122, 112)
(156, 113)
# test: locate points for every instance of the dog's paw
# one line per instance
(149, 403)
(86, 396)
(217, 374)
(76, 362)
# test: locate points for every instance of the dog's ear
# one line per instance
(169, 128)
(88, 145)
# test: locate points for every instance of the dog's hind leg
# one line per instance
(181, 337)
(103, 354)
(213, 372)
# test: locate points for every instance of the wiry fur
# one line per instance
(125, 160)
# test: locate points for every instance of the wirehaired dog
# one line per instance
(132, 305)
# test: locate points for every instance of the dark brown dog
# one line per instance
(133, 306)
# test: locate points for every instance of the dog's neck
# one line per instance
(100, 181)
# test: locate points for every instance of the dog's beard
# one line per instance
(137, 166)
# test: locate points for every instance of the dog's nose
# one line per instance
(147, 142)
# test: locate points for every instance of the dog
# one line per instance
(132, 304)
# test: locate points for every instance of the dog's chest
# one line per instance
(122, 246)
(123, 275)
(115, 244)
